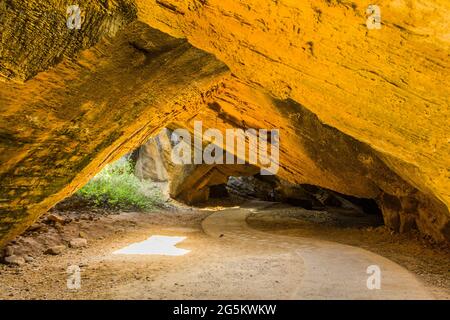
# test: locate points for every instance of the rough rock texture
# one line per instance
(34, 34)
(387, 88)
(153, 158)
(190, 183)
(361, 112)
(61, 127)
(316, 154)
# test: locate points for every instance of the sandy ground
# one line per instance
(220, 265)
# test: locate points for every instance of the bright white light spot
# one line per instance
(218, 208)
(162, 245)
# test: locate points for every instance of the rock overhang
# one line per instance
(360, 117)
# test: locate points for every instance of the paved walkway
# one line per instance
(331, 270)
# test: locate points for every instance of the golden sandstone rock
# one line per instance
(362, 112)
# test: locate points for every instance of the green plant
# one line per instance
(116, 186)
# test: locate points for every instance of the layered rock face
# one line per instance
(35, 35)
(362, 112)
(387, 88)
(313, 153)
(61, 127)
(187, 182)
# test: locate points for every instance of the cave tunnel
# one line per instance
(217, 123)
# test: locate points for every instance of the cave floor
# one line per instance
(253, 251)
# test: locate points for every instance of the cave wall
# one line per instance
(189, 183)
(362, 112)
(387, 88)
(34, 34)
(310, 153)
(61, 127)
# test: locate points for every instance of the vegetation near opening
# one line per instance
(116, 186)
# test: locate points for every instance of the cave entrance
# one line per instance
(228, 185)
(304, 202)
(144, 179)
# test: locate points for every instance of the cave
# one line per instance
(294, 120)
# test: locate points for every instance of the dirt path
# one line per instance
(331, 270)
(227, 260)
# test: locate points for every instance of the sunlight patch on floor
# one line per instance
(217, 208)
(160, 245)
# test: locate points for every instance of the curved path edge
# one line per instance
(332, 270)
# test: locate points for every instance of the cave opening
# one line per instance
(309, 200)
(140, 182)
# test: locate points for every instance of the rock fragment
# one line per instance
(55, 250)
(78, 243)
(55, 218)
(28, 258)
(15, 260)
